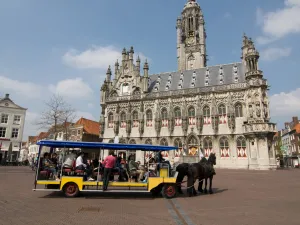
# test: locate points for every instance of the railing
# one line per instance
(260, 127)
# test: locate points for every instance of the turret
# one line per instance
(138, 64)
(124, 54)
(146, 69)
(131, 52)
(251, 57)
(108, 74)
(116, 67)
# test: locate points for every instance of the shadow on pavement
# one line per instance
(107, 195)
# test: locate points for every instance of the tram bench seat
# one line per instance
(67, 170)
(45, 172)
(79, 171)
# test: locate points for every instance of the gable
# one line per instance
(7, 103)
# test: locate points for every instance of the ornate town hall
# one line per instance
(222, 109)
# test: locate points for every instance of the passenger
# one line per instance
(134, 167)
(109, 163)
(119, 166)
(151, 170)
(70, 159)
(160, 159)
(48, 165)
(82, 166)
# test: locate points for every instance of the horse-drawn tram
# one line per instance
(73, 180)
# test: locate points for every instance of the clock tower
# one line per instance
(191, 37)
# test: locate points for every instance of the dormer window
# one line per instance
(207, 72)
(206, 83)
(221, 70)
(192, 84)
(236, 79)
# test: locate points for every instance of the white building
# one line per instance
(218, 108)
(12, 119)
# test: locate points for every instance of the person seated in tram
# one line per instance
(48, 165)
(121, 169)
(70, 159)
(151, 170)
(80, 165)
(134, 168)
(160, 159)
(54, 160)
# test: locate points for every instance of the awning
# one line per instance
(16, 147)
(4, 145)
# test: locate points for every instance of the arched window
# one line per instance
(149, 118)
(164, 142)
(193, 145)
(222, 114)
(224, 147)
(123, 120)
(136, 91)
(148, 142)
(164, 117)
(177, 113)
(208, 147)
(192, 115)
(122, 141)
(178, 144)
(241, 147)
(135, 119)
(110, 120)
(132, 141)
(206, 115)
(222, 109)
(238, 110)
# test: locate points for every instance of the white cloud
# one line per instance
(86, 115)
(30, 129)
(21, 88)
(272, 54)
(285, 103)
(96, 57)
(72, 88)
(280, 23)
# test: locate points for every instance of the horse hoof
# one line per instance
(211, 192)
(205, 191)
(195, 194)
(200, 191)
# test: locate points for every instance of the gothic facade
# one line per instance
(222, 109)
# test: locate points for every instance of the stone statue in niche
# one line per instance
(250, 111)
(258, 109)
(266, 114)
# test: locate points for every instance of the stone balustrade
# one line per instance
(260, 127)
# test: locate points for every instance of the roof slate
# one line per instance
(200, 74)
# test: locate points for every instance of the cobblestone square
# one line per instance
(241, 197)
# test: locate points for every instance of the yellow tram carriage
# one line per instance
(72, 183)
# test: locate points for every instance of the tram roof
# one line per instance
(101, 145)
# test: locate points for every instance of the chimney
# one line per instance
(6, 95)
(295, 120)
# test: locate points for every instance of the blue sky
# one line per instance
(66, 46)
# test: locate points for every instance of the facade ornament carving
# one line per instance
(184, 119)
(199, 117)
(214, 116)
(142, 119)
(230, 114)
(171, 118)
(258, 109)
(250, 109)
(157, 123)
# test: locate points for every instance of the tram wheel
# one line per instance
(71, 190)
(169, 191)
